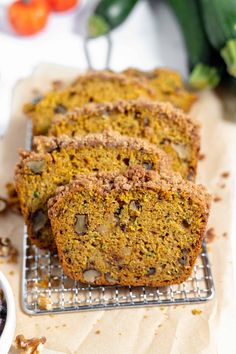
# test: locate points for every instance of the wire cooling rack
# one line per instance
(46, 289)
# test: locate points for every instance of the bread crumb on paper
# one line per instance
(225, 174)
(196, 312)
(30, 346)
(44, 302)
(8, 253)
(223, 185)
(225, 234)
(97, 331)
(217, 199)
(210, 235)
(202, 157)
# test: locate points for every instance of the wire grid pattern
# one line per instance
(43, 276)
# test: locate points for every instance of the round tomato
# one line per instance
(62, 5)
(28, 17)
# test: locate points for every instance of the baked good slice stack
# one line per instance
(56, 161)
(109, 186)
(100, 86)
(106, 86)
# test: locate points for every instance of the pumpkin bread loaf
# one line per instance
(168, 86)
(98, 86)
(56, 161)
(132, 228)
(159, 123)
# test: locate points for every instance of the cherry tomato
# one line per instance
(28, 17)
(62, 5)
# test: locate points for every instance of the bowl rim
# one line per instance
(10, 324)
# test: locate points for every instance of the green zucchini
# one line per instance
(204, 76)
(188, 15)
(219, 18)
(199, 50)
(108, 15)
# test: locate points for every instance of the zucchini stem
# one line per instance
(228, 53)
(204, 76)
(97, 26)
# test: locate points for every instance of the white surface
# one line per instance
(7, 336)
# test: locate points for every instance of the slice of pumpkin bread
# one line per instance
(168, 86)
(92, 87)
(159, 123)
(132, 228)
(57, 160)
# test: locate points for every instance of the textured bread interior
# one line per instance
(139, 236)
(94, 87)
(63, 163)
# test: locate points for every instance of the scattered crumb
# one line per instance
(160, 325)
(164, 309)
(225, 234)
(64, 325)
(57, 326)
(48, 327)
(202, 157)
(196, 312)
(43, 283)
(210, 235)
(30, 346)
(225, 174)
(3, 205)
(11, 272)
(97, 331)
(50, 315)
(145, 316)
(30, 284)
(44, 302)
(223, 185)
(57, 85)
(120, 334)
(217, 199)
(8, 252)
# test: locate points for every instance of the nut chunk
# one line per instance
(7, 251)
(30, 346)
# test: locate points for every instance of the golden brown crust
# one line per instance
(121, 106)
(167, 83)
(135, 177)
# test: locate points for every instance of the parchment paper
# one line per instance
(164, 330)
